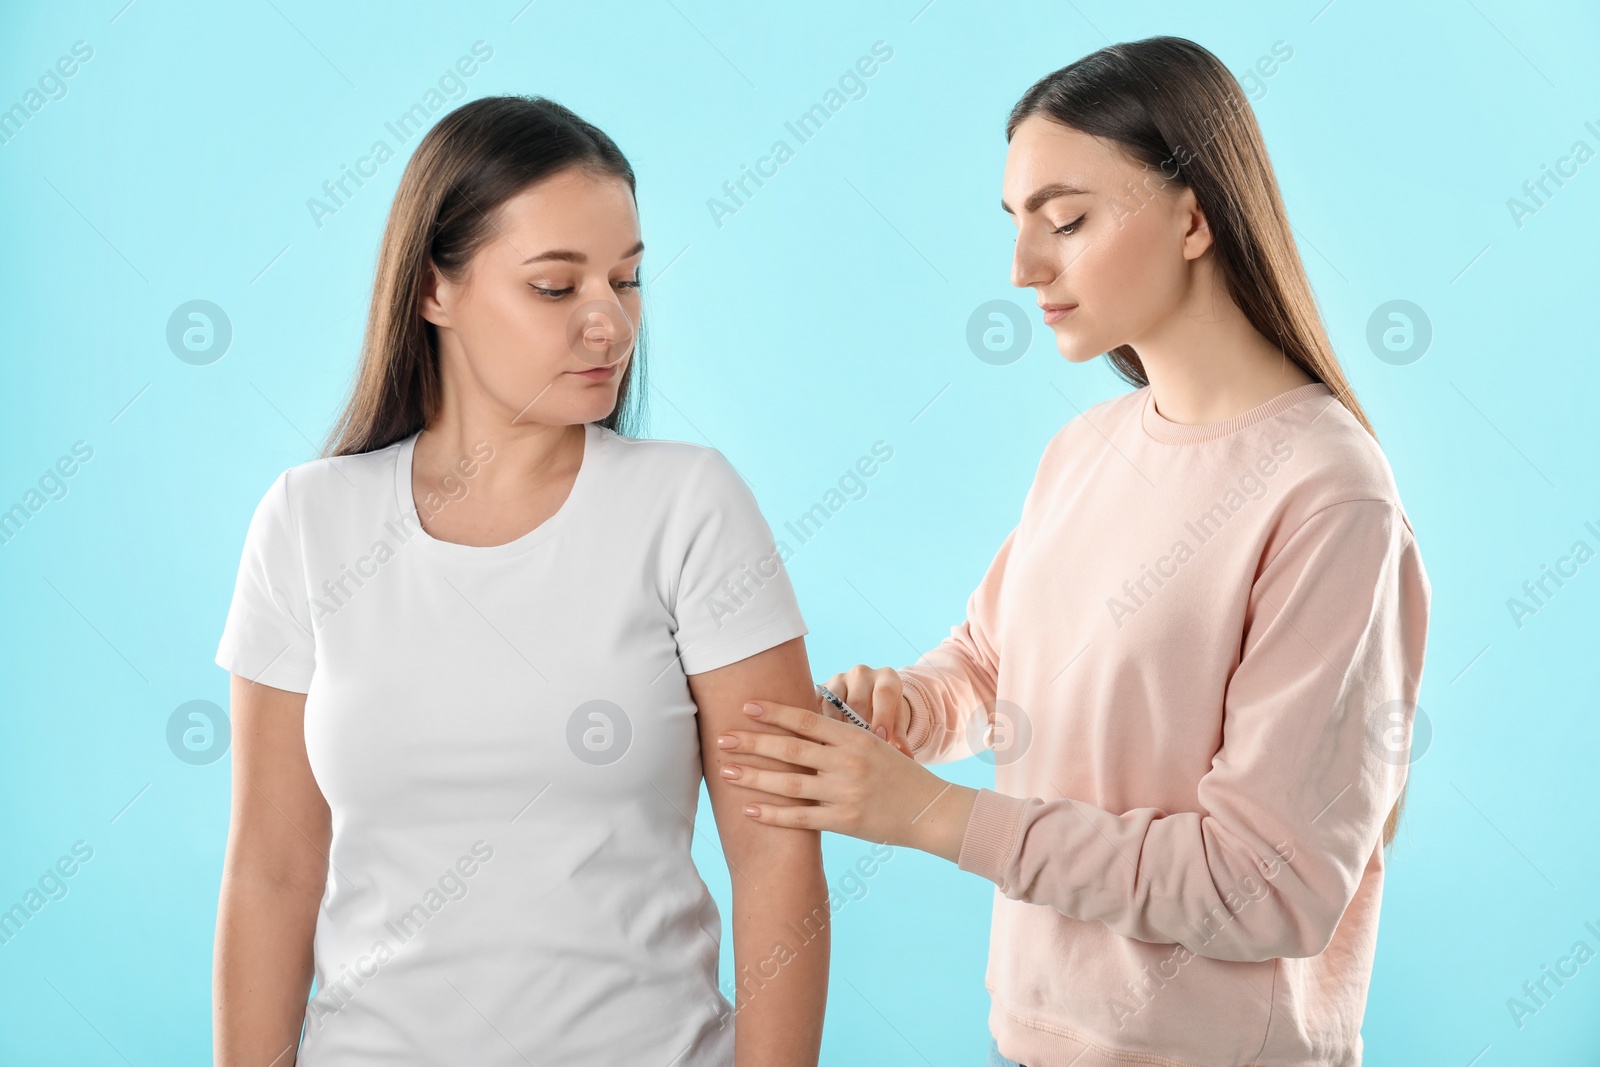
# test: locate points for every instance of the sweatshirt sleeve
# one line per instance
(1315, 749)
(957, 680)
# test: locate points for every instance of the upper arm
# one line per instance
(740, 637)
(280, 827)
(783, 674)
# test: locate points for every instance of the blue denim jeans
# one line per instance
(996, 1059)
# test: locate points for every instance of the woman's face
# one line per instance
(1098, 234)
(545, 320)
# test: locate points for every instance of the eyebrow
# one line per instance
(568, 256)
(1049, 192)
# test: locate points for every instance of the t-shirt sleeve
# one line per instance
(1315, 750)
(733, 597)
(268, 636)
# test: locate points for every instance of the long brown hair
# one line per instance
(472, 161)
(1172, 105)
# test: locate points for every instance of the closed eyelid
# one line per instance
(546, 283)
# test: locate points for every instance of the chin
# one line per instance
(1074, 352)
(564, 405)
(597, 405)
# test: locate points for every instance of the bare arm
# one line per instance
(781, 922)
(272, 882)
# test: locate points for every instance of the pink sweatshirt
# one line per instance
(1197, 659)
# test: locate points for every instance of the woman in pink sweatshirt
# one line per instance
(1195, 660)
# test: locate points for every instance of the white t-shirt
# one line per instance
(508, 745)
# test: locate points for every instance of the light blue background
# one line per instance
(828, 313)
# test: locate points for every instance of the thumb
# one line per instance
(885, 708)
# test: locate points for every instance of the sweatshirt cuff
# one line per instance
(921, 725)
(991, 835)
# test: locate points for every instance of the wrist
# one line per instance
(941, 826)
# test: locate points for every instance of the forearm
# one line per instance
(1212, 884)
(262, 971)
(945, 688)
(781, 938)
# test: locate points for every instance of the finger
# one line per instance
(778, 783)
(802, 721)
(857, 691)
(800, 817)
(841, 684)
(787, 748)
(885, 706)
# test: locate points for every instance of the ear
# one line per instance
(1196, 230)
(428, 300)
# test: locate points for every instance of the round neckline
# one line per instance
(593, 434)
(1163, 429)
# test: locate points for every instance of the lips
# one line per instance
(1054, 313)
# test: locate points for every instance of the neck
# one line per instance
(1206, 362)
(469, 424)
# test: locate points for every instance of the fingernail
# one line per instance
(752, 709)
(751, 809)
(727, 741)
(730, 772)
(882, 732)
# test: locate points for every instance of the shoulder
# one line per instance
(657, 455)
(691, 495)
(1331, 460)
(1095, 425)
(680, 470)
(331, 484)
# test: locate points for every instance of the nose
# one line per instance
(597, 329)
(1030, 264)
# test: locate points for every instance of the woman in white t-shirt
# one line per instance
(479, 649)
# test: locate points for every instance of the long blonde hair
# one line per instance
(1172, 105)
